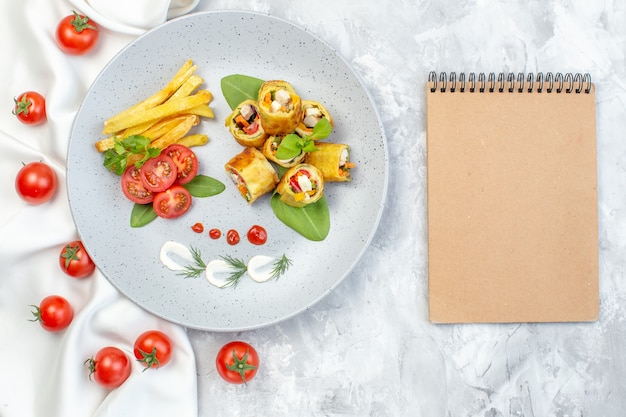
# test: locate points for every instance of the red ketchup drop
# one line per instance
(198, 227)
(232, 237)
(257, 235)
(215, 233)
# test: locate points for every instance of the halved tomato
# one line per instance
(172, 203)
(133, 188)
(185, 160)
(158, 174)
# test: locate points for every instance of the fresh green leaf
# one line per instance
(116, 158)
(321, 130)
(204, 186)
(311, 221)
(290, 146)
(141, 215)
(239, 269)
(237, 88)
(280, 267)
(198, 268)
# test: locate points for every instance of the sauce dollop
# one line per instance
(232, 237)
(257, 235)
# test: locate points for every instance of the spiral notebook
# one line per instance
(512, 198)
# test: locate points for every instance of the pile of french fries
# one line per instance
(167, 116)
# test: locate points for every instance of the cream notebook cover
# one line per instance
(512, 198)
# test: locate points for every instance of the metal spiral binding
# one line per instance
(576, 83)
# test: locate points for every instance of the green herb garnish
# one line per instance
(239, 270)
(280, 267)
(116, 158)
(293, 145)
(198, 268)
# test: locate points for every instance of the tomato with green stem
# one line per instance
(75, 261)
(30, 108)
(237, 362)
(110, 367)
(36, 183)
(54, 313)
(153, 349)
(77, 34)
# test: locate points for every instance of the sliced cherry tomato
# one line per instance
(54, 313)
(158, 174)
(75, 261)
(232, 237)
(110, 367)
(30, 108)
(153, 348)
(257, 235)
(185, 160)
(252, 128)
(77, 34)
(133, 188)
(36, 183)
(237, 362)
(172, 203)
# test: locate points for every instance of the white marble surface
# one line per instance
(368, 348)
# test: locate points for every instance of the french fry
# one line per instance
(203, 110)
(175, 133)
(159, 97)
(188, 87)
(196, 139)
(169, 108)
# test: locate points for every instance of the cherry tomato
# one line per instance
(75, 261)
(232, 237)
(77, 34)
(110, 367)
(257, 235)
(172, 203)
(30, 108)
(185, 160)
(133, 188)
(54, 313)
(158, 174)
(36, 183)
(153, 348)
(215, 233)
(237, 362)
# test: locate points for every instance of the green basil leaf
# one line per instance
(141, 215)
(321, 130)
(311, 221)
(290, 147)
(236, 88)
(309, 146)
(204, 186)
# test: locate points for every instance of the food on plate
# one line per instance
(312, 113)
(36, 183)
(301, 185)
(333, 160)
(54, 313)
(252, 173)
(237, 362)
(166, 117)
(172, 203)
(77, 34)
(245, 125)
(158, 174)
(270, 147)
(257, 235)
(280, 107)
(30, 108)
(185, 160)
(110, 367)
(75, 261)
(153, 348)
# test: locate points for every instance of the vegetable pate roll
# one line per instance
(280, 107)
(252, 173)
(301, 185)
(271, 146)
(245, 125)
(332, 159)
(312, 112)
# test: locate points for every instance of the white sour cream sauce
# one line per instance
(176, 256)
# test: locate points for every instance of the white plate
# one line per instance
(221, 44)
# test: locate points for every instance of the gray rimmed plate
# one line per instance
(224, 43)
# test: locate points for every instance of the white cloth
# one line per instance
(133, 16)
(42, 373)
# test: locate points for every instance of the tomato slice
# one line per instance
(172, 203)
(158, 174)
(185, 160)
(133, 188)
